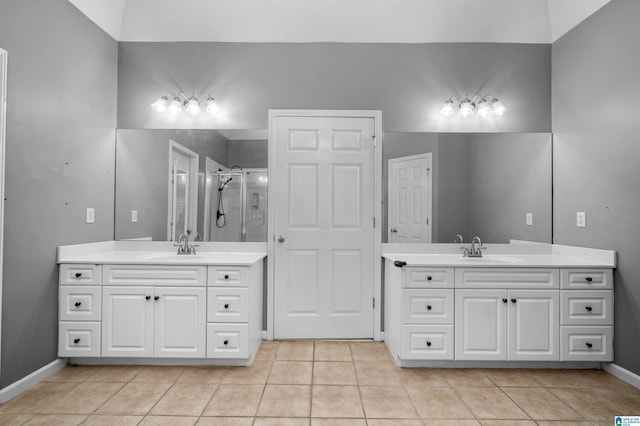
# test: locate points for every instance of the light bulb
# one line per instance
(161, 104)
(447, 110)
(193, 105)
(466, 108)
(212, 106)
(484, 110)
(175, 106)
(497, 107)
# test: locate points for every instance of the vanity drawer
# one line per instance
(156, 275)
(80, 303)
(422, 277)
(227, 304)
(586, 278)
(586, 343)
(228, 276)
(514, 278)
(78, 339)
(587, 307)
(80, 274)
(427, 342)
(227, 340)
(427, 306)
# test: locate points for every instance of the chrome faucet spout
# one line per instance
(476, 246)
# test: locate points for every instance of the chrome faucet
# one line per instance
(475, 250)
(183, 245)
(458, 239)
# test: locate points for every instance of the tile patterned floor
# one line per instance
(322, 384)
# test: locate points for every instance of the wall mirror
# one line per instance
(212, 183)
(493, 185)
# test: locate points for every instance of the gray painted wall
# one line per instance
(61, 119)
(248, 154)
(596, 127)
(451, 218)
(408, 82)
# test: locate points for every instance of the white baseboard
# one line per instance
(26, 382)
(622, 374)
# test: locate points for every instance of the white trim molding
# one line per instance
(26, 382)
(3, 127)
(622, 373)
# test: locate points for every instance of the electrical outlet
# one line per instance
(91, 217)
(529, 219)
(134, 216)
(581, 219)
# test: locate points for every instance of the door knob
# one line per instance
(394, 230)
(280, 238)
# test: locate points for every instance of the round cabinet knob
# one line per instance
(77, 304)
(514, 300)
(156, 297)
(589, 279)
(148, 297)
(76, 341)
(428, 343)
(394, 230)
(280, 238)
(429, 277)
(78, 274)
(589, 308)
(504, 300)
(226, 342)
(226, 306)
(226, 277)
(589, 345)
(428, 307)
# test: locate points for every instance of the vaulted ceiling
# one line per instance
(354, 21)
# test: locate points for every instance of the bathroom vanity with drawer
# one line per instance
(509, 307)
(125, 304)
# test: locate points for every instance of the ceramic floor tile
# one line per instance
(115, 373)
(540, 404)
(422, 377)
(598, 378)
(225, 421)
(377, 373)
(587, 402)
(168, 421)
(255, 374)
(387, 402)
(336, 401)
(556, 378)
(55, 419)
(85, 398)
(159, 374)
(184, 399)
(332, 351)
(203, 375)
(338, 422)
(428, 422)
(334, 373)
(507, 423)
(73, 374)
(267, 351)
(108, 420)
(566, 423)
(14, 419)
(234, 400)
(290, 373)
(627, 399)
(38, 397)
(280, 421)
(370, 352)
(285, 401)
(438, 403)
(511, 377)
(295, 351)
(406, 422)
(490, 403)
(134, 399)
(466, 377)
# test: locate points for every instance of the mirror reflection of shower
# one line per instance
(239, 198)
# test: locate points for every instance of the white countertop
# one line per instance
(159, 252)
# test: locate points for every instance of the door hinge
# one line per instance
(374, 222)
(428, 172)
(374, 140)
(374, 303)
(427, 221)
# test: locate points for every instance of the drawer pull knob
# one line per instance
(226, 306)
(148, 297)
(78, 274)
(77, 304)
(589, 279)
(76, 340)
(429, 277)
(589, 345)
(514, 300)
(156, 297)
(589, 308)
(226, 277)
(400, 263)
(428, 343)
(226, 342)
(428, 307)
(504, 300)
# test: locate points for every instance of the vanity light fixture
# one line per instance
(487, 106)
(175, 104)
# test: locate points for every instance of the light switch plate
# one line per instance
(581, 219)
(91, 217)
(134, 216)
(529, 219)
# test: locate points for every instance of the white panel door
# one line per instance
(481, 327)
(127, 321)
(180, 322)
(534, 316)
(410, 199)
(323, 189)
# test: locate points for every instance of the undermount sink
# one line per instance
(489, 259)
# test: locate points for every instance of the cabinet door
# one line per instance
(180, 322)
(481, 328)
(127, 321)
(534, 322)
